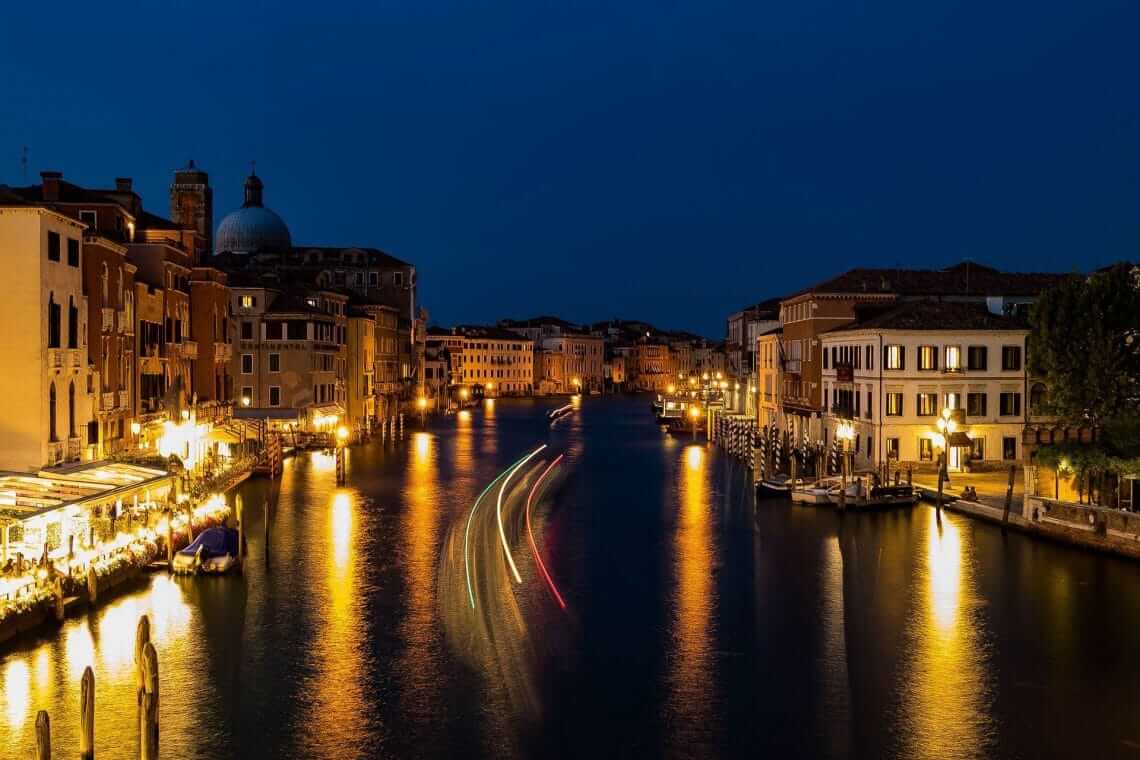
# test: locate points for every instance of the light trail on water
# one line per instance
(499, 512)
(530, 533)
(470, 517)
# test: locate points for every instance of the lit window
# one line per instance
(928, 357)
(894, 357)
(953, 356)
(248, 302)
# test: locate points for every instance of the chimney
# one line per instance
(123, 184)
(51, 182)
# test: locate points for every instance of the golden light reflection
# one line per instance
(946, 705)
(17, 692)
(79, 649)
(464, 417)
(341, 528)
(322, 461)
(691, 678)
(418, 669)
(169, 615)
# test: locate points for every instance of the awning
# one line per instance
(223, 435)
(958, 439)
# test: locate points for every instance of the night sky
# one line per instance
(666, 161)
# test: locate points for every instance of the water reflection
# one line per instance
(419, 665)
(946, 694)
(691, 677)
(17, 693)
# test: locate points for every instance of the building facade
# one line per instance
(896, 373)
(498, 360)
(49, 384)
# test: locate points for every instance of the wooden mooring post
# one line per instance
(43, 736)
(87, 715)
(148, 711)
(142, 638)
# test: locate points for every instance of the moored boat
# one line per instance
(812, 493)
(214, 551)
(775, 487)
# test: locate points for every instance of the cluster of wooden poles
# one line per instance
(146, 683)
(736, 434)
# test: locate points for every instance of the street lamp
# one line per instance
(694, 415)
(845, 432)
(246, 401)
(421, 404)
(672, 389)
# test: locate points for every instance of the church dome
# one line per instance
(252, 228)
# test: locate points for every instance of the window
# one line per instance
(275, 395)
(825, 352)
(248, 302)
(926, 405)
(72, 323)
(246, 330)
(975, 405)
(894, 357)
(894, 405)
(1010, 404)
(869, 415)
(978, 448)
(247, 364)
(1037, 398)
(71, 409)
(398, 279)
(51, 413)
(53, 246)
(1008, 448)
(90, 218)
(72, 252)
(373, 279)
(246, 395)
(952, 358)
(928, 357)
(892, 445)
(869, 450)
(870, 357)
(976, 358)
(1010, 358)
(953, 400)
(54, 315)
(275, 362)
(925, 450)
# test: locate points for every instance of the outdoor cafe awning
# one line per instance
(958, 439)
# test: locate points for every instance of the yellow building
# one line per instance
(47, 384)
(500, 361)
(360, 403)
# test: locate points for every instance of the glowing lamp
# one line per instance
(342, 434)
(136, 428)
(246, 401)
(421, 402)
(694, 412)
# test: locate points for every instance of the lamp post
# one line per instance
(845, 433)
(421, 404)
(946, 427)
(694, 415)
(341, 440)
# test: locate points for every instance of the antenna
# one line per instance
(24, 162)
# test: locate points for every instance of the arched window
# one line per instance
(71, 409)
(1037, 398)
(51, 414)
(104, 277)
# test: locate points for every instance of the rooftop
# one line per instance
(931, 315)
(966, 278)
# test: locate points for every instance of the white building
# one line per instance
(892, 372)
(47, 384)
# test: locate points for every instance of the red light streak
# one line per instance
(530, 533)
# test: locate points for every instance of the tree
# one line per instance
(1085, 345)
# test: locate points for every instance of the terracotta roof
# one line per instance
(931, 315)
(967, 278)
(490, 332)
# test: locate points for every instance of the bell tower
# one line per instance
(192, 206)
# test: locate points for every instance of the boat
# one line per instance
(214, 551)
(812, 493)
(560, 412)
(879, 497)
(775, 487)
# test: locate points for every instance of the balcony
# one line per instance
(108, 401)
(64, 358)
(223, 352)
(74, 448)
(126, 325)
(56, 451)
(108, 319)
(190, 349)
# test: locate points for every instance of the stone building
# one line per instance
(498, 361)
(894, 370)
(49, 383)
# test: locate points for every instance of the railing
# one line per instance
(108, 401)
(108, 319)
(223, 352)
(55, 452)
(55, 358)
(190, 349)
(74, 447)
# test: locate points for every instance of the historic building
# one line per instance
(360, 368)
(768, 380)
(290, 360)
(897, 370)
(831, 304)
(499, 361)
(580, 367)
(48, 384)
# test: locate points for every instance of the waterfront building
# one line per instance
(709, 358)
(549, 372)
(360, 368)
(49, 383)
(768, 380)
(654, 366)
(290, 360)
(582, 354)
(894, 370)
(743, 329)
(617, 368)
(825, 306)
(498, 360)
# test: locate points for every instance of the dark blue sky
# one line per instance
(664, 160)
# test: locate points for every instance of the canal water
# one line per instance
(383, 619)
